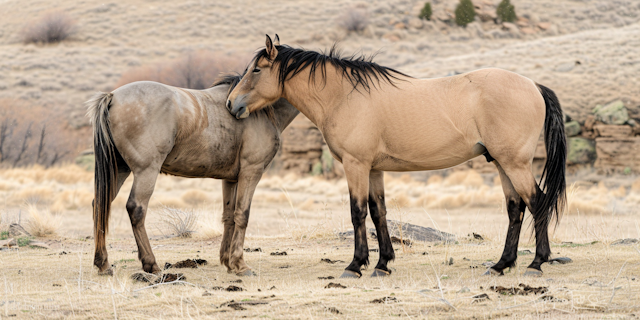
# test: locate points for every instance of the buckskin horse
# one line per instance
(377, 119)
(147, 128)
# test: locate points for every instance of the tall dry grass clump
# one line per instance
(181, 223)
(53, 26)
(41, 223)
(195, 70)
(354, 20)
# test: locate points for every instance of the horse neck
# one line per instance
(285, 112)
(315, 99)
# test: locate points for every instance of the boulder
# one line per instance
(416, 23)
(581, 151)
(613, 131)
(544, 26)
(589, 122)
(572, 128)
(301, 146)
(612, 113)
(617, 154)
(511, 27)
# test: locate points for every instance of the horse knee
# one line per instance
(136, 212)
(241, 220)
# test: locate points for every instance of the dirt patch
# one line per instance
(171, 277)
(385, 300)
(522, 290)
(334, 285)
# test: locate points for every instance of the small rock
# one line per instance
(524, 252)
(511, 27)
(581, 151)
(612, 113)
(624, 242)
(400, 25)
(234, 289)
(464, 290)
(282, 253)
(450, 262)
(480, 297)
(326, 278)
(561, 260)
(8, 243)
(477, 237)
(330, 261)
(207, 293)
(38, 244)
(572, 128)
(527, 30)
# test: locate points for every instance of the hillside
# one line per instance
(584, 50)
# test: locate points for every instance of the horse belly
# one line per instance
(201, 163)
(428, 156)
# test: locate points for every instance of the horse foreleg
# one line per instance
(358, 180)
(229, 204)
(515, 209)
(143, 185)
(378, 211)
(247, 182)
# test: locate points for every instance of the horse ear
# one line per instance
(272, 52)
(277, 40)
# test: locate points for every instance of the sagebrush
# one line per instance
(52, 27)
(465, 13)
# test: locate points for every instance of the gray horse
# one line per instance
(146, 128)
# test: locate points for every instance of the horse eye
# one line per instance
(256, 70)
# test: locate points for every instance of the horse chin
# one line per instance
(243, 115)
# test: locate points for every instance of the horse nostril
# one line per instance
(229, 104)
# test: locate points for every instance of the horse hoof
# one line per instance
(493, 272)
(350, 274)
(106, 272)
(380, 273)
(533, 273)
(246, 273)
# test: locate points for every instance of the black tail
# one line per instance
(553, 200)
(106, 170)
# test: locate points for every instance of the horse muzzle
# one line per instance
(239, 108)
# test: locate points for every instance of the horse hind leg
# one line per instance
(229, 204)
(515, 208)
(143, 184)
(525, 185)
(378, 211)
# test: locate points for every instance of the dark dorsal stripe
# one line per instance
(360, 70)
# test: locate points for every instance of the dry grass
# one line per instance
(182, 223)
(54, 26)
(195, 197)
(41, 222)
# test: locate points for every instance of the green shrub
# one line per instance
(506, 11)
(426, 12)
(465, 13)
(23, 241)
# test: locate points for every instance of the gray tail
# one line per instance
(106, 171)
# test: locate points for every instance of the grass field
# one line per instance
(302, 217)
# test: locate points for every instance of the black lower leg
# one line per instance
(379, 216)
(361, 251)
(541, 219)
(515, 208)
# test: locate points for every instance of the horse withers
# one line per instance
(377, 119)
(147, 128)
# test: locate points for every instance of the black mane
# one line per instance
(229, 79)
(359, 70)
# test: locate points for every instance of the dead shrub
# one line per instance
(41, 222)
(354, 20)
(53, 26)
(195, 70)
(182, 223)
(35, 196)
(35, 134)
